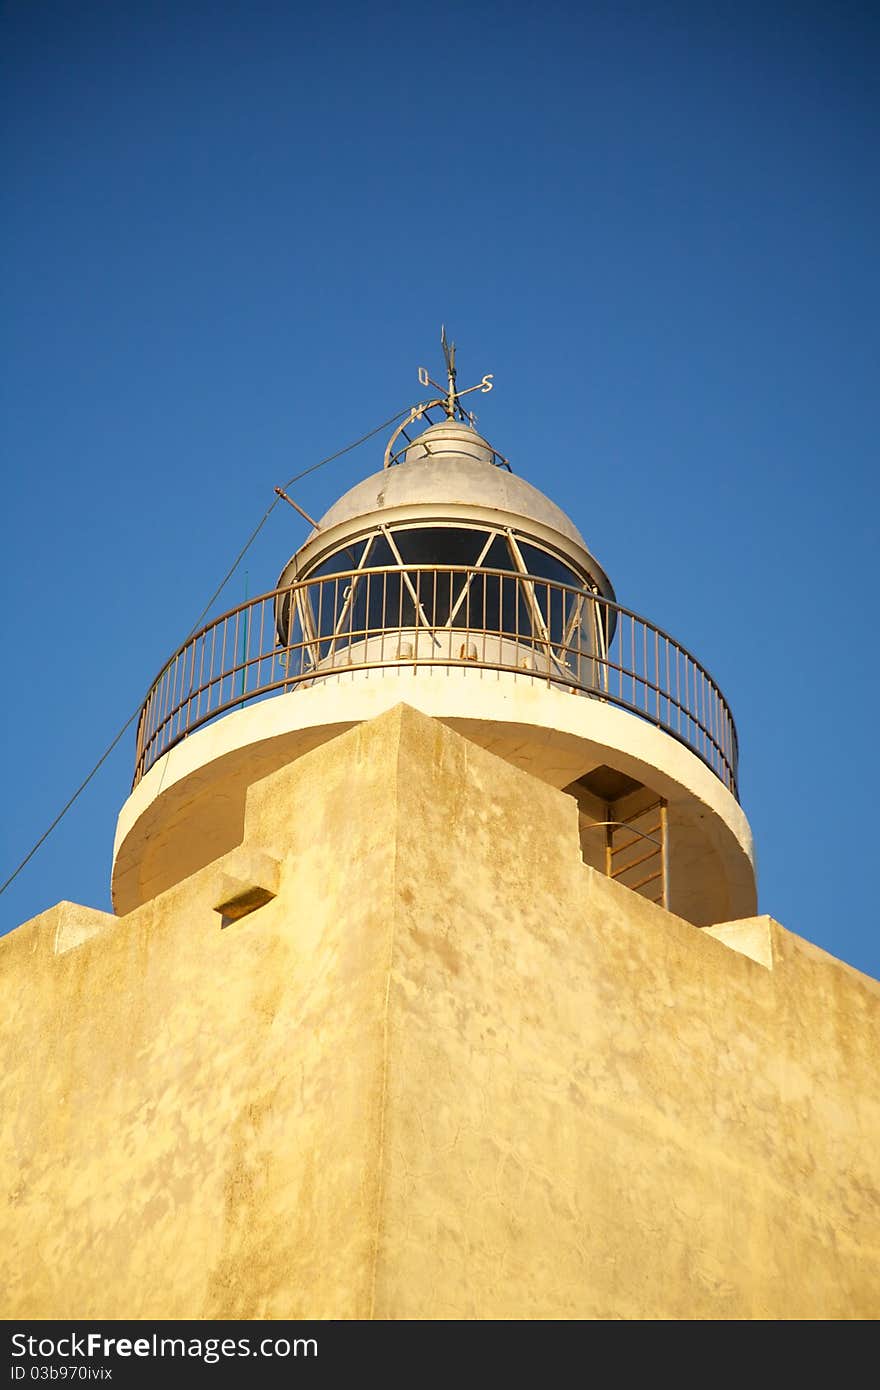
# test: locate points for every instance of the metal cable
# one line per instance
(268, 512)
(211, 601)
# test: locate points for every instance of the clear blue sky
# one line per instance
(231, 234)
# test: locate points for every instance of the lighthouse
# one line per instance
(435, 985)
(447, 582)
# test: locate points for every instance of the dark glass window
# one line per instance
(381, 553)
(388, 601)
(439, 592)
(341, 560)
(328, 599)
(500, 600)
(498, 556)
(361, 603)
(440, 545)
(495, 603)
(539, 562)
(556, 607)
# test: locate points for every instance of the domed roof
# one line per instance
(450, 464)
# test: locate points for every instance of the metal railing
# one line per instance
(437, 615)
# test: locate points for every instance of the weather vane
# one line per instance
(451, 397)
(448, 399)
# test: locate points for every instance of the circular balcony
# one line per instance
(332, 627)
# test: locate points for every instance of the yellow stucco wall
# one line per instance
(449, 1071)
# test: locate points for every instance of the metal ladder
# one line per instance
(636, 852)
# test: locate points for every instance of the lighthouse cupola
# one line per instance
(445, 556)
(446, 581)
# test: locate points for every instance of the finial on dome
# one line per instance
(449, 400)
(449, 354)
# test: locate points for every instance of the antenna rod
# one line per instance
(297, 508)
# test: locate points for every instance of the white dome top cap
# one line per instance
(450, 437)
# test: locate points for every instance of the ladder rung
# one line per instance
(642, 835)
(634, 863)
(650, 879)
(628, 820)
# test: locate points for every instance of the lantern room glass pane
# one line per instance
(500, 599)
(440, 545)
(547, 566)
(498, 556)
(342, 560)
(381, 553)
(554, 604)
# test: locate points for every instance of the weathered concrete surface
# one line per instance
(191, 1113)
(448, 1072)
